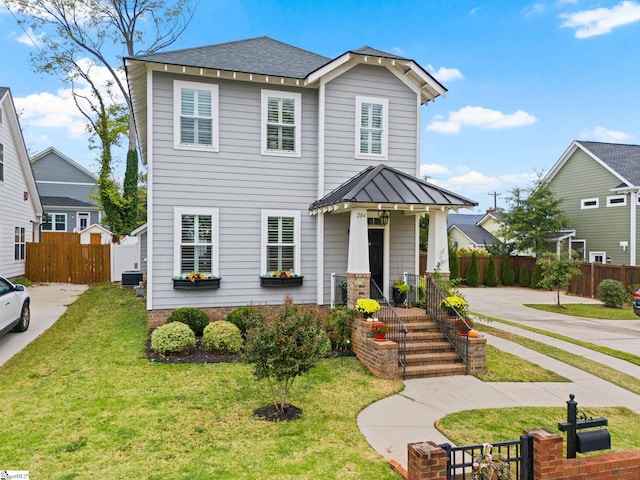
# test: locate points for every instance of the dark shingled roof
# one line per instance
(383, 184)
(63, 202)
(624, 159)
(3, 90)
(376, 53)
(458, 219)
(261, 55)
(478, 235)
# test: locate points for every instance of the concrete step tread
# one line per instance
(440, 370)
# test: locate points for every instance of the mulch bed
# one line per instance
(197, 356)
(272, 414)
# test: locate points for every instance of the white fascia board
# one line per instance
(322, 71)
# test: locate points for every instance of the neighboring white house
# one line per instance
(264, 157)
(20, 208)
(472, 230)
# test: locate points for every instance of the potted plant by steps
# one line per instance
(343, 289)
(455, 305)
(380, 330)
(400, 292)
(367, 307)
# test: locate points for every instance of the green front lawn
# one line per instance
(83, 402)
(587, 310)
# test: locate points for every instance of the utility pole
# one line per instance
(495, 199)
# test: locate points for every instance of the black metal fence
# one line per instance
(453, 325)
(517, 453)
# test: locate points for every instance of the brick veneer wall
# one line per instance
(155, 318)
(380, 357)
(477, 355)
(427, 461)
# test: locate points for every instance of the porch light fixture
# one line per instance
(384, 217)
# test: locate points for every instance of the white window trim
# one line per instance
(385, 127)
(178, 85)
(53, 223)
(584, 247)
(296, 235)
(83, 214)
(23, 244)
(177, 237)
(594, 254)
(297, 101)
(610, 199)
(584, 201)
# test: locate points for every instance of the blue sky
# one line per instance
(524, 79)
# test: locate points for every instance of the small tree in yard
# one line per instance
(283, 348)
(557, 272)
(508, 275)
(472, 278)
(491, 276)
(536, 276)
(524, 278)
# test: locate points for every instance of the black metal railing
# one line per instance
(397, 330)
(417, 295)
(453, 325)
(517, 453)
(338, 290)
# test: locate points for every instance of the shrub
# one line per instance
(491, 276)
(454, 266)
(338, 328)
(195, 318)
(508, 275)
(473, 275)
(175, 337)
(612, 293)
(244, 318)
(222, 337)
(524, 277)
(536, 276)
(284, 348)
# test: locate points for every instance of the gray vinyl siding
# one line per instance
(336, 249)
(340, 111)
(52, 168)
(604, 227)
(82, 193)
(403, 245)
(238, 181)
(72, 216)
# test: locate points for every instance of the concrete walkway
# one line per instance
(48, 302)
(390, 424)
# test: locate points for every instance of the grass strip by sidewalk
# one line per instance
(586, 310)
(83, 402)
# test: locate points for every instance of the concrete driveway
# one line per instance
(48, 302)
(508, 303)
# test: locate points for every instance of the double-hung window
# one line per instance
(195, 116)
(281, 241)
(372, 127)
(281, 117)
(196, 241)
(56, 222)
(19, 243)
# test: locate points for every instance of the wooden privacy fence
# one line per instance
(59, 237)
(584, 285)
(68, 263)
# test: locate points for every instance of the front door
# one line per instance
(376, 255)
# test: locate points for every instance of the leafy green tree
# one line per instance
(524, 277)
(500, 248)
(285, 347)
(536, 276)
(508, 275)
(70, 32)
(491, 276)
(424, 233)
(557, 272)
(534, 215)
(473, 274)
(454, 266)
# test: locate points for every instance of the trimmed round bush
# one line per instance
(175, 337)
(612, 293)
(244, 318)
(195, 318)
(222, 337)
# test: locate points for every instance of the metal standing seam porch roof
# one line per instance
(386, 185)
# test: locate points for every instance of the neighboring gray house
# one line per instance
(20, 208)
(472, 230)
(66, 190)
(263, 157)
(599, 184)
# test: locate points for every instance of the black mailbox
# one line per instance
(593, 440)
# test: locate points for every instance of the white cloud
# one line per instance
(534, 10)
(602, 134)
(30, 38)
(397, 50)
(482, 118)
(599, 21)
(433, 169)
(444, 74)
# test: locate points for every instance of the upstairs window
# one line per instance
(281, 117)
(587, 203)
(196, 241)
(56, 222)
(195, 115)
(616, 201)
(372, 127)
(281, 241)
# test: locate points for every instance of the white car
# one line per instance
(14, 307)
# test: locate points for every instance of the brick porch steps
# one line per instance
(429, 353)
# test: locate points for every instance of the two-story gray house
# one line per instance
(265, 158)
(67, 191)
(599, 184)
(20, 208)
